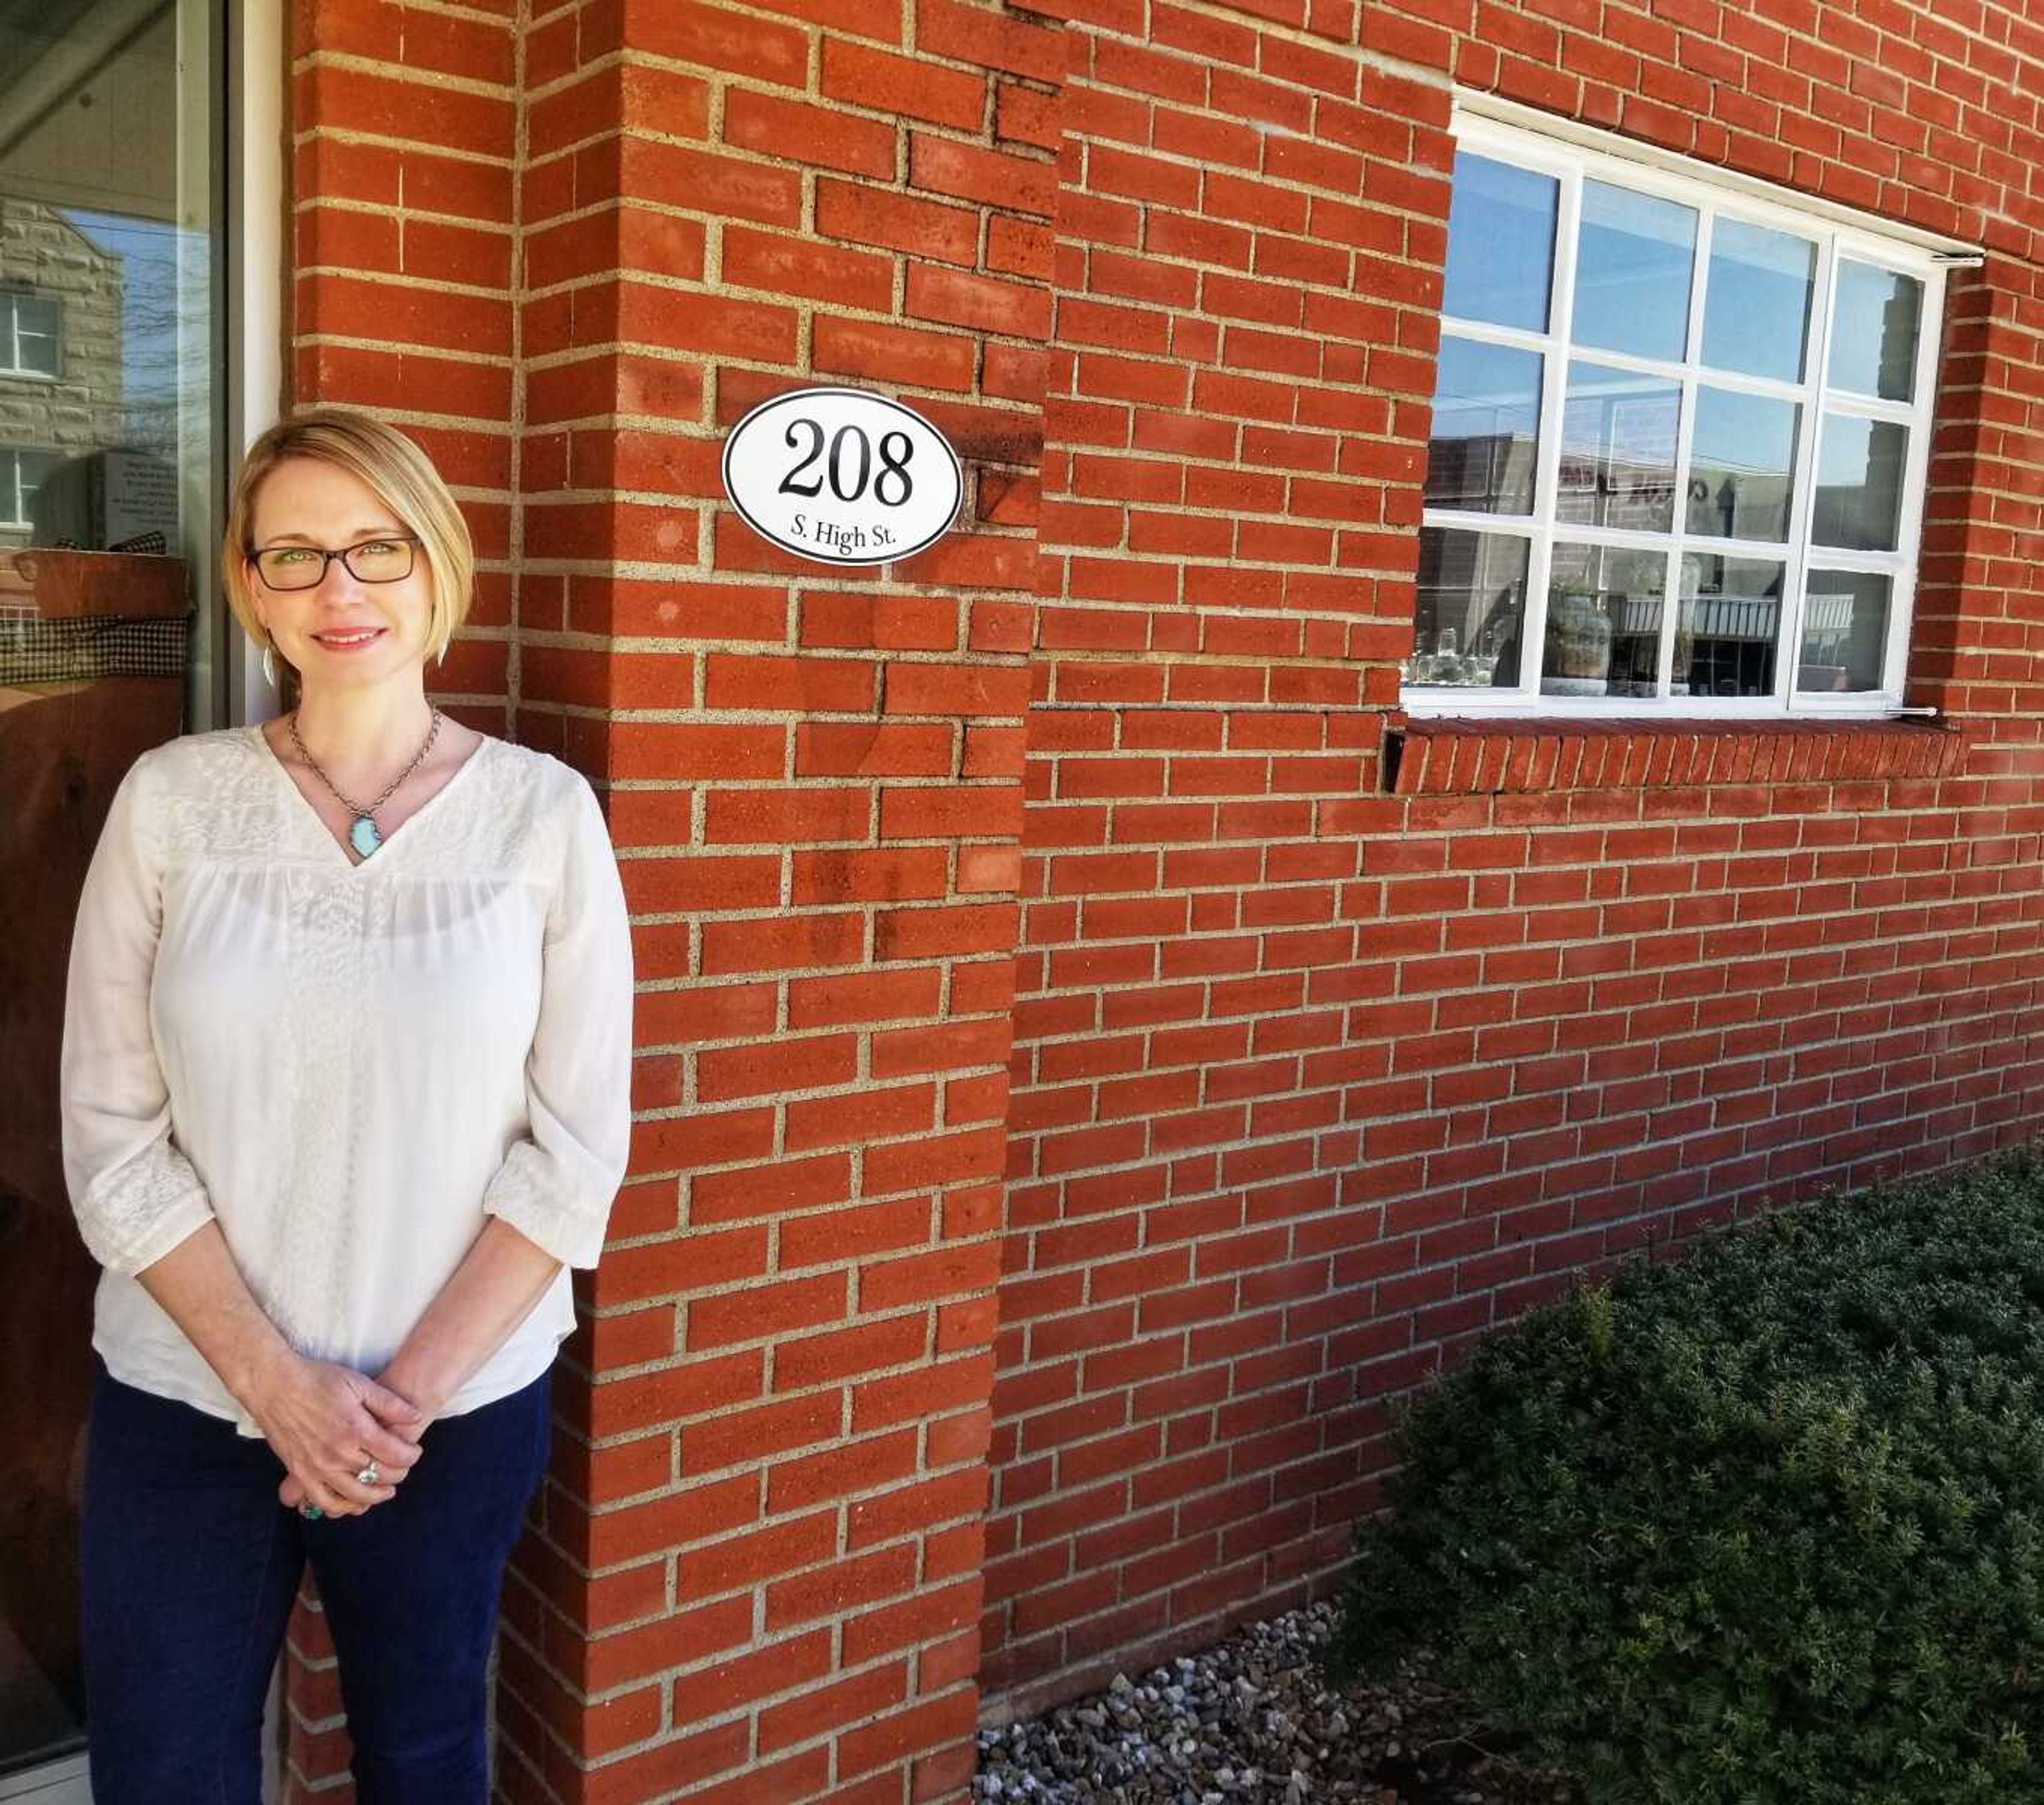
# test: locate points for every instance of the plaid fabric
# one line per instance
(36, 650)
(152, 542)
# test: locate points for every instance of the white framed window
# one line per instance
(1679, 433)
(21, 474)
(29, 331)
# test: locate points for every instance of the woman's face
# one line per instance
(302, 503)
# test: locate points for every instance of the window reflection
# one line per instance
(1634, 259)
(1742, 466)
(1860, 467)
(1485, 439)
(1844, 630)
(1604, 621)
(1673, 551)
(1726, 623)
(1472, 599)
(21, 474)
(109, 346)
(93, 400)
(1757, 303)
(1500, 243)
(1874, 325)
(29, 334)
(1618, 449)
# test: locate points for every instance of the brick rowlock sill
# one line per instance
(1462, 757)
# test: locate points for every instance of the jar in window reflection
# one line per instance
(1579, 645)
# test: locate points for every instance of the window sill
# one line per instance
(1466, 757)
(58, 583)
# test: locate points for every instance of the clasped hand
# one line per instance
(327, 1422)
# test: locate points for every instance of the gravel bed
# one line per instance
(1248, 1720)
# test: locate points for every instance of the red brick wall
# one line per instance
(1076, 1089)
(759, 1574)
(1314, 1084)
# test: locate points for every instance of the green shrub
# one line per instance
(1763, 1525)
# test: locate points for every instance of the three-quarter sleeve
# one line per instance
(135, 1193)
(557, 1182)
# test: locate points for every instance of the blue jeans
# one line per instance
(188, 1565)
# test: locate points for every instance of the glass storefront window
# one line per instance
(112, 136)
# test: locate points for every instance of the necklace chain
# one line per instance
(432, 733)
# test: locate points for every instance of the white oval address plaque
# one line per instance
(842, 476)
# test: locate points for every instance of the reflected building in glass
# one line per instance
(1466, 473)
(112, 344)
(62, 386)
(1472, 599)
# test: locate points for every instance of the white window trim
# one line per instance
(1486, 126)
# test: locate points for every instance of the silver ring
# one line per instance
(369, 1476)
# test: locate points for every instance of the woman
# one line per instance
(346, 1077)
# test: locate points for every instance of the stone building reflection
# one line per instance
(62, 389)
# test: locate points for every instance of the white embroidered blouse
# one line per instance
(349, 1066)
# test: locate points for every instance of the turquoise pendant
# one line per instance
(363, 836)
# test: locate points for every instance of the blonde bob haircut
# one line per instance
(401, 477)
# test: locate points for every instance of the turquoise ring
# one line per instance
(312, 1511)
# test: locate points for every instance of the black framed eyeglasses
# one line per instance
(304, 566)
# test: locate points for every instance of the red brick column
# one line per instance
(758, 1572)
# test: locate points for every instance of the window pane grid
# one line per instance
(1705, 577)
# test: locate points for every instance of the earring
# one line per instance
(270, 666)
